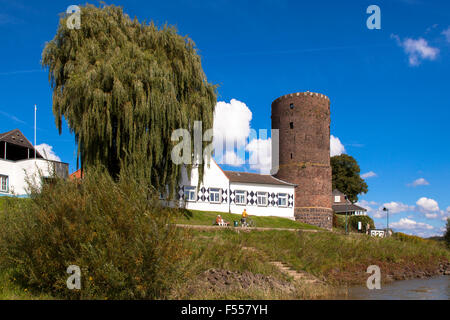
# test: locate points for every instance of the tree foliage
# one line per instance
(346, 177)
(123, 87)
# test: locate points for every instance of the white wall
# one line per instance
(17, 171)
(269, 210)
(214, 177)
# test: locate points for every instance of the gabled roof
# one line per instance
(247, 177)
(77, 175)
(16, 137)
(336, 192)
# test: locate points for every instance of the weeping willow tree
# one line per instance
(123, 87)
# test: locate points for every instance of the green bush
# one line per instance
(447, 233)
(365, 220)
(115, 231)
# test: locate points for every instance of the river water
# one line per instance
(437, 288)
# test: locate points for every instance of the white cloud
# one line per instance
(409, 224)
(419, 182)
(393, 206)
(367, 205)
(417, 49)
(446, 214)
(231, 123)
(446, 33)
(368, 175)
(397, 207)
(336, 147)
(427, 205)
(47, 152)
(260, 155)
(232, 159)
(429, 208)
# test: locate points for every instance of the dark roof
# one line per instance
(16, 137)
(336, 192)
(340, 208)
(246, 177)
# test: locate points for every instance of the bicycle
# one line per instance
(249, 223)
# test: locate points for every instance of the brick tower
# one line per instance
(303, 121)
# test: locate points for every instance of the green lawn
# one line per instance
(204, 218)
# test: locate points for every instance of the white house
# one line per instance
(19, 162)
(341, 205)
(227, 191)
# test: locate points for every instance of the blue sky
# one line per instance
(388, 88)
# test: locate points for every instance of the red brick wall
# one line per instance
(305, 153)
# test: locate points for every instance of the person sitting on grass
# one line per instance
(244, 218)
(220, 221)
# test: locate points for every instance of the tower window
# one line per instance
(291, 155)
(291, 125)
(291, 106)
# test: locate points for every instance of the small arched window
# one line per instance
(291, 106)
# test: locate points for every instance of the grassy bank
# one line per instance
(343, 259)
(193, 217)
(338, 259)
(116, 251)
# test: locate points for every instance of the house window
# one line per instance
(291, 106)
(4, 183)
(291, 125)
(262, 199)
(241, 197)
(282, 200)
(190, 194)
(214, 195)
(337, 198)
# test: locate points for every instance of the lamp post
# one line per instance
(387, 220)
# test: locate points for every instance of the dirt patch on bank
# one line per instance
(220, 280)
(215, 284)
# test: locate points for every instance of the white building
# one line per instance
(341, 205)
(226, 191)
(19, 163)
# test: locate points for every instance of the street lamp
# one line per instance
(387, 220)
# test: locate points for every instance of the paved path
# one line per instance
(202, 227)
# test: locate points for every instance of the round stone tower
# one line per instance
(303, 121)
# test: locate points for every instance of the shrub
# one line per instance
(335, 221)
(115, 231)
(409, 238)
(365, 220)
(447, 233)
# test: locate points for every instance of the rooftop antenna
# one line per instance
(35, 109)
